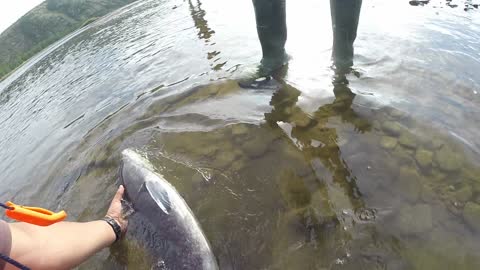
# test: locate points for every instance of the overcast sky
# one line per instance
(12, 10)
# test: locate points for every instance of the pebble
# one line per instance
(424, 158)
(388, 142)
(408, 140)
(392, 128)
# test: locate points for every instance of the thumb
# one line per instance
(118, 196)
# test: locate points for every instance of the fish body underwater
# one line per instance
(177, 237)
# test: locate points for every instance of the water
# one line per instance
(382, 173)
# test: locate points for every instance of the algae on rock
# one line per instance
(388, 142)
(448, 160)
(424, 158)
(471, 214)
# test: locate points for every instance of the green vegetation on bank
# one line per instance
(45, 24)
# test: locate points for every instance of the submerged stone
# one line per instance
(424, 158)
(361, 124)
(471, 214)
(438, 176)
(210, 150)
(415, 219)
(321, 206)
(294, 190)
(472, 174)
(395, 113)
(402, 156)
(224, 159)
(256, 146)
(428, 194)
(448, 160)
(239, 129)
(408, 140)
(409, 185)
(300, 119)
(464, 194)
(434, 144)
(237, 165)
(388, 142)
(306, 218)
(392, 128)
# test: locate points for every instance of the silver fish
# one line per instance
(178, 238)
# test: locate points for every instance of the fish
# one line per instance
(177, 236)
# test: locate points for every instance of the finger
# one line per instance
(118, 196)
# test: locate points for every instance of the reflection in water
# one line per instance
(204, 32)
(344, 187)
(313, 136)
(468, 4)
(350, 182)
(198, 16)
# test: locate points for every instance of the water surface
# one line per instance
(379, 173)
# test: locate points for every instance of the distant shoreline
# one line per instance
(46, 24)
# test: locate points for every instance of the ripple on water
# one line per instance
(380, 173)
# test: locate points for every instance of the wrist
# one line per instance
(115, 227)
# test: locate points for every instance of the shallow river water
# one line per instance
(379, 173)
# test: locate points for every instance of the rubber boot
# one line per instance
(270, 16)
(345, 16)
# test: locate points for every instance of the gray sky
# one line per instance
(12, 10)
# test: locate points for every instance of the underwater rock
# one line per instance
(361, 124)
(255, 147)
(472, 174)
(434, 144)
(464, 194)
(224, 159)
(294, 190)
(288, 111)
(438, 176)
(409, 185)
(321, 207)
(239, 129)
(237, 165)
(448, 160)
(388, 142)
(402, 156)
(326, 136)
(210, 150)
(414, 219)
(300, 119)
(408, 140)
(428, 194)
(131, 254)
(471, 214)
(410, 152)
(307, 218)
(376, 125)
(424, 158)
(392, 128)
(395, 113)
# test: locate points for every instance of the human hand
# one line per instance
(115, 210)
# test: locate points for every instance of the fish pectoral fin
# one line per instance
(159, 195)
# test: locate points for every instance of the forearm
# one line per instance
(60, 246)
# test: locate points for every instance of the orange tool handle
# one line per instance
(34, 215)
